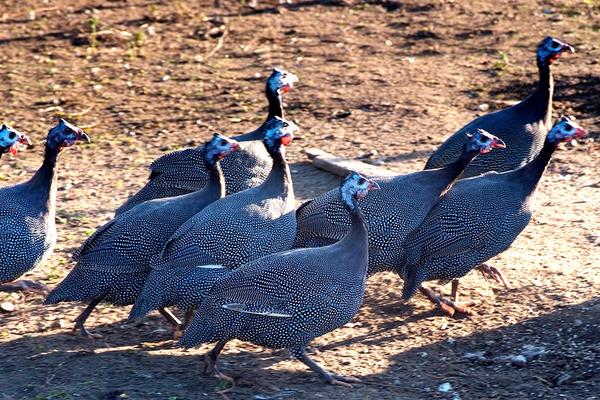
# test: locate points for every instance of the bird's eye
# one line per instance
(223, 142)
(285, 124)
(555, 45)
(569, 128)
(12, 135)
(362, 181)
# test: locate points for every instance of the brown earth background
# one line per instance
(391, 77)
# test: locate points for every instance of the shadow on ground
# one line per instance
(107, 368)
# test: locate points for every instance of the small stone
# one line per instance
(476, 356)
(483, 107)
(445, 387)
(165, 78)
(7, 307)
(519, 361)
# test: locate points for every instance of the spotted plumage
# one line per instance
(235, 230)
(114, 262)
(285, 300)
(522, 127)
(183, 171)
(392, 212)
(478, 218)
(27, 210)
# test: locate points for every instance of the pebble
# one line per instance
(445, 387)
(483, 107)
(7, 307)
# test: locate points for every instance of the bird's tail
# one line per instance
(413, 278)
(156, 293)
(80, 285)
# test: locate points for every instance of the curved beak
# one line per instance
(580, 133)
(23, 139)
(288, 84)
(81, 135)
(568, 48)
(498, 144)
(373, 185)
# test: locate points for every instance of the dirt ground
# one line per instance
(145, 77)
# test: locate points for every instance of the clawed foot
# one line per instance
(491, 272)
(79, 328)
(448, 306)
(209, 366)
(210, 369)
(340, 380)
(25, 286)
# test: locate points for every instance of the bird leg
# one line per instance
(449, 307)
(300, 354)
(491, 272)
(210, 366)
(179, 329)
(24, 286)
(80, 321)
(210, 359)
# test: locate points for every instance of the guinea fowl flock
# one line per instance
(215, 230)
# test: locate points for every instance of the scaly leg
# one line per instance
(448, 306)
(24, 286)
(346, 381)
(210, 365)
(80, 321)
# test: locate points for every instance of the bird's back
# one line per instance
(232, 231)
(28, 231)
(476, 219)
(288, 298)
(183, 171)
(522, 128)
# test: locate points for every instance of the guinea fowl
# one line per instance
(183, 171)
(392, 212)
(27, 212)
(522, 127)
(477, 219)
(10, 140)
(114, 262)
(233, 231)
(287, 299)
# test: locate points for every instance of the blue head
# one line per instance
(278, 132)
(565, 130)
(483, 142)
(281, 81)
(218, 147)
(10, 139)
(355, 187)
(550, 50)
(64, 135)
